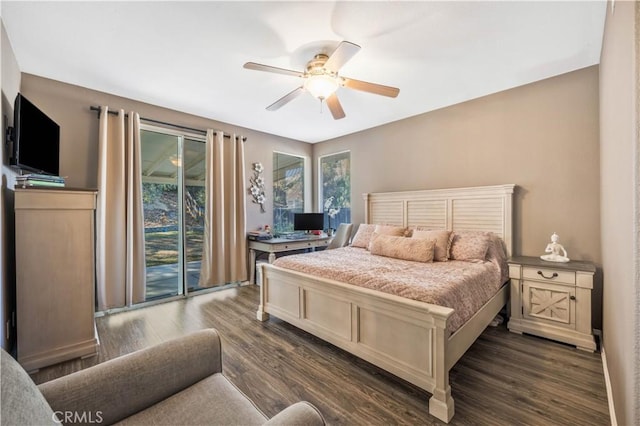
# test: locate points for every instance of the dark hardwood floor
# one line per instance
(504, 378)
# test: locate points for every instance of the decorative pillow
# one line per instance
(393, 230)
(363, 235)
(443, 242)
(365, 230)
(470, 245)
(396, 231)
(415, 249)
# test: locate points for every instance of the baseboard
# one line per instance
(607, 382)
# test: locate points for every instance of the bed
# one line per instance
(410, 338)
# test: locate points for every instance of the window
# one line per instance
(335, 188)
(288, 190)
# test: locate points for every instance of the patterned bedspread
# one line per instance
(463, 286)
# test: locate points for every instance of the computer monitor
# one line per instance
(308, 221)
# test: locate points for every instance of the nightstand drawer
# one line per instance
(550, 303)
(549, 275)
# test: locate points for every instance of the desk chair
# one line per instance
(343, 234)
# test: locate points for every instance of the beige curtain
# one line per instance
(120, 263)
(224, 257)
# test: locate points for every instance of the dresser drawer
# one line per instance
(549, 275)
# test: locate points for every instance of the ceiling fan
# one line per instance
(321, 79)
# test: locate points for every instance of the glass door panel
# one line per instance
(194, 202)
(161, 182)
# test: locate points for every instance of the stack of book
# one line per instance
(36, 180)
(259, 235)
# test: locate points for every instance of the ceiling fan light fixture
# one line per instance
(321, 86)
(320, 78)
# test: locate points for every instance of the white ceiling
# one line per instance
(189, 56)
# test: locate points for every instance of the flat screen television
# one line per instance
(308, 221)
(36, 139)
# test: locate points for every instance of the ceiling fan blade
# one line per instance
(334, 106)
(286, 99)
(269, 68)
(364, 86)
(345, 51)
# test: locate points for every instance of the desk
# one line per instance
(280, 245)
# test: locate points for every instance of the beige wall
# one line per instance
(620, 182)
(10, 87)
(69, 105)
(542, 137)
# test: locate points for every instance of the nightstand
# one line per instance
(552, 300)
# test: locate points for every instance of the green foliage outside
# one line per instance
(155, 191)
(161, 209)
(336, 180)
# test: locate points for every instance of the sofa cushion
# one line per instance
(213, 400)
(300, 413)
(22, 402)
(126, 385)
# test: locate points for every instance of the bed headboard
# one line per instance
(481, 208)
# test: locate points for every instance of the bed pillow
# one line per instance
(396, 231)
(365, 231)
(363, 235)
(442, 239)
(470, 245)
(392, 230)
(497, 255)
(415, 249)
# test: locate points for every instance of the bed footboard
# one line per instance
(405, 337)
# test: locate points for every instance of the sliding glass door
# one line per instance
(194, 202)
(173, 179)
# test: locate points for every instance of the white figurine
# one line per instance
(554, 248)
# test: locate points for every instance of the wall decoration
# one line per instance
(257, 186)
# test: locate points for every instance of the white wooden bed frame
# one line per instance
(403, 336)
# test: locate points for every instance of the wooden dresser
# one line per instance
(552, 300)
(55, 275)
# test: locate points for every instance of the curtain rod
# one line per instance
(164, 123)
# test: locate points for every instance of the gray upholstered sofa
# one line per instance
(179, 382)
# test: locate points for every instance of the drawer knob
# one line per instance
(555, 274)
(572, 297)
